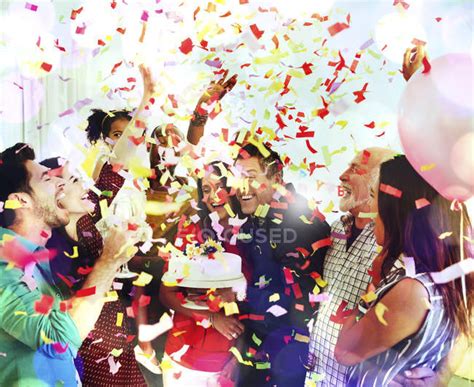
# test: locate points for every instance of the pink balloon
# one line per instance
(436, 117)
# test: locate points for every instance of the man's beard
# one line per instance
(349, 203)
(49, 216)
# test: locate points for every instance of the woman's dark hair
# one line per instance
(414, 232)
(205, 222)
(100, 123)
(14, 176)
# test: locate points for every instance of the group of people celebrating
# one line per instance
(354, 303)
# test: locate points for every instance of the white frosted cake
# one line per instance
(205, 266)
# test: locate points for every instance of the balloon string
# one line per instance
(461, 245)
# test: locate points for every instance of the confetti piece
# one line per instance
(230, 308)
(367, 215)
(410, 269)
(420, 203)
(322, 297)
(388, 189)
(444, 235)
(239, 358)
(12, 204)
(116, 352)
(143, 279)
(119, 319)
(321, 243)
(186, 46)
(380, 310)
(277, 310)
(369, 297)
(256, 340)
(75, 253)
(86, 292)
(360, 94)
(256, 32)
(31, 7)
(59, 348)
(44, 305)
(274, 297)
(427, 167)
(426, 66)
(80, 30)
(336, 28)
(150, 332)
(114, 367)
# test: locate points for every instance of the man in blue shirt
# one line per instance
(284, 243)
(39, 332)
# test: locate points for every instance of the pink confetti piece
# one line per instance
(83, 102)
(80, 30)
(388, 189)
(31, 7)
(66, 112)
(321, 297)
(367, 44)
(144, 16)
(420, 203)
(59, 348)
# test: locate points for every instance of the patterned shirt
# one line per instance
(426, 348)
(346, 271)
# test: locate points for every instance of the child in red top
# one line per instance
(207, 354)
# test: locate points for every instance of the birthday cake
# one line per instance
(204, 266)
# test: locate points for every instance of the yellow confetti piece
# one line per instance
(116, 352)
(119, 319)
(316, 289)
(274, 297)
(302, 338)
(321, 283)
(304, 219)
(156, 208)
(427, 167)
(367, 215)
(369, 297)
(75, 253)
(111, 296)
(20, 313)
(176, 334)
(379, 312)
(230, 308)
(262, 210)
(444, 235)
(239, 358)
(263, 366)
(45, 338)
(262, 149)
(330, 207)
(12, 204)
(104, 209)
(166, 365)
(143, 279)
(229, 210)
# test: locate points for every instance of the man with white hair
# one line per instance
(347, 264)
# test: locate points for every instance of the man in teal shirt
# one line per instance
(39, 332)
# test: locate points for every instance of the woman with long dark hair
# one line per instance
(410, 320)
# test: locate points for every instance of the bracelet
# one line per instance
(198, 119)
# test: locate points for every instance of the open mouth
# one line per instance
(217, 205)
(247, 197)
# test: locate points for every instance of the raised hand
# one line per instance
(412, 60)
(216, 90)
(148, 82)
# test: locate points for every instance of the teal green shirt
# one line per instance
(35, 349)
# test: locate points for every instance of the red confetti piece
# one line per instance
(404, 4)
(113, 4)
(65, 280)
(117, 167)
(310, 148)
(341, 314)
(258, 34)
(75, 12)
(365, 156)
(321, 243)
(44, 305)
(100, 42)
(279, 121)
(137, 140)
(31, 7)
(388, 189)
(46, 67)
(336, 28)
(86, 292)
(371, 125)
(65, 305)
(288, 275)
(297, 291)
(438, 19)
(307, 68)
(426, 66)
(256, 317)
(186, 46)
(44, 234)
(84, 270)
(380, 135)
(132, 227)
(420, 203)
(116, 66)
(121, 30)
(360, 94)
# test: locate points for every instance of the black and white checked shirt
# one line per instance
(346, 272)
